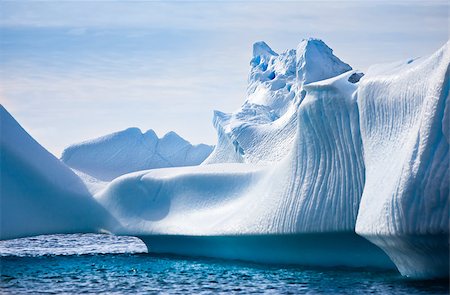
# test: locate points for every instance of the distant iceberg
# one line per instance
(318, 157)
(130, 150)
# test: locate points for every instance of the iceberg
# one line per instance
(130, 150)
(39, 194)
(322, 165)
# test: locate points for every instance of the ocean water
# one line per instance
(89, 263)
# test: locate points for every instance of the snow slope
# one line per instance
(130, 150)
(404, 114)
(39, 194)
(274, 93)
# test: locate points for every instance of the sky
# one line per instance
(72, 71)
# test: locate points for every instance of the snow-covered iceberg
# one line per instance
(39, 194)
(130, 150)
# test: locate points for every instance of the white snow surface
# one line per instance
(39, 194)
(130, 150)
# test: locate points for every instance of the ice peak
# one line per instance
(316, 61)
(261, 48)
(131, 131)
(172, 135)
(173, 139)
(315, 43)
(150, 135)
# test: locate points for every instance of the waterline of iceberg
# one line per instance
(417, 256)
(309, 249)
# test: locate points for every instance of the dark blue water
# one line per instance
(105, 264)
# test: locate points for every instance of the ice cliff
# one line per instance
(318, 156)
(39, 194)
(405, 121)
(130, 150)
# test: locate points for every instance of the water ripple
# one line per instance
(117, 265)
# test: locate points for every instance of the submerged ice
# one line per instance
(317, 152)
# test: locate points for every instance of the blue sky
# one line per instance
(71, 71)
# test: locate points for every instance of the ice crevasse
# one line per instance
(317, 162)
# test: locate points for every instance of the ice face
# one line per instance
(404, 115)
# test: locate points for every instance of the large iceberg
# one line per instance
(322, 165)
(130, 150)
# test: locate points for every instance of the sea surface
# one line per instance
(90, 263)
